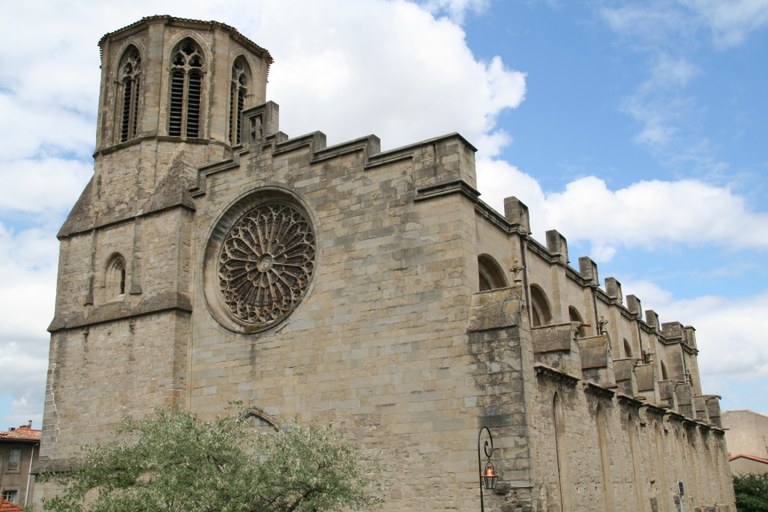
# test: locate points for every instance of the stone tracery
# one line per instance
(265, 264)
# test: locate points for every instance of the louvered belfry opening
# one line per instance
(130, 80)
(186, 90)
(238, 91)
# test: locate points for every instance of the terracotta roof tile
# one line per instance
(22, 433)
(7, 506)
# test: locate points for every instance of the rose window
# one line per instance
(265, 264)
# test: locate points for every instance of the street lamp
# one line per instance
(488, 476)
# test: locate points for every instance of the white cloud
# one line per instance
(497, 180)
(669, 71)
(731, 22)
(641, 216)
(649, 24)
(28, 277)
(383, 77)
(660, 23)
(735, 333)
(28, 273)
(667, 112)
(730, 334)
(48, 186)
(455, 9)
(649, 213)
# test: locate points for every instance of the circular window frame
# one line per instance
(233, 215)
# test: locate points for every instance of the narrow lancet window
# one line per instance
(186, 90)
(116, 277)
(130, 83)
(238, 92)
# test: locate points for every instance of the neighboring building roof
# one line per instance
(747, 411)
(7, 506)
(22, 434)
(750, 457)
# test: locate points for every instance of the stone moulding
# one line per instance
(120, 311)
(447, 188)
(545, 372)
(598, 391)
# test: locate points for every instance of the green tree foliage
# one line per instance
(174, 461)
(751, 492)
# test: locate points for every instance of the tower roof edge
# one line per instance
(192, 23)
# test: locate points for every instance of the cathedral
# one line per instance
(214, 259)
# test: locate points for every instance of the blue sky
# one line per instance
(637, 129)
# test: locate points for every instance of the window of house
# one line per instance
(237, 94)
(186, 90)
(130, 75)
(14, 459)
(11, 495)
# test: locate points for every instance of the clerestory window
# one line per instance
(129, 84)
(541, 313)
(238, 91)
(186, 90)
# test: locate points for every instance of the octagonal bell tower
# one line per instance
(171, 98)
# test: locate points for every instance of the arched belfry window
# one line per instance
(128, 97)
(115, 281)
(241, 79)
(187, 67)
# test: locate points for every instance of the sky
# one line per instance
(638, 129)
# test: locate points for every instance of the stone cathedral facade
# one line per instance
(212, 258)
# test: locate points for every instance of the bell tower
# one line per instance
(171, 101)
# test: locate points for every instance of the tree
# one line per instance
(174, 461)
(751, 492)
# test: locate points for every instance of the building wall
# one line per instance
(746, 466)
(747, 433)
(16, 479)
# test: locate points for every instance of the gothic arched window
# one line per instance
(627, 348)
(541, 314)
(186, 90)
(115, 276)
(490, 274)
(241, 79)
(575, 316)
(129, 73)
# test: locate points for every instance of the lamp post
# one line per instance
(488, 474)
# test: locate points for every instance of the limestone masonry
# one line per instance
(213, 259)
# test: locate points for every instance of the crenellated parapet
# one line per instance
(596, 333)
